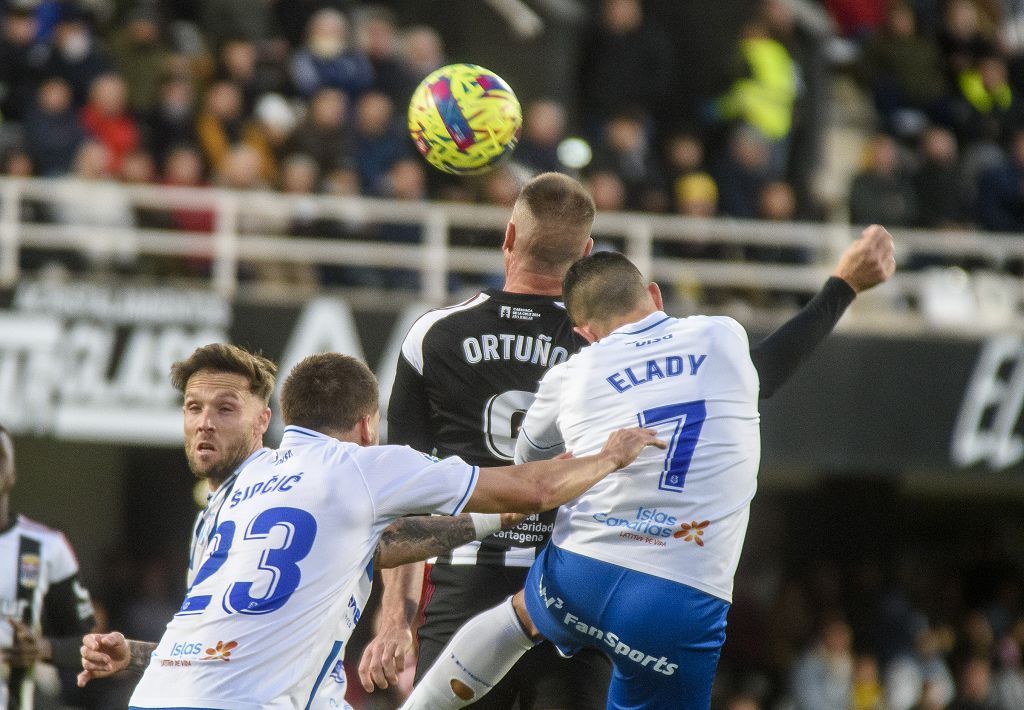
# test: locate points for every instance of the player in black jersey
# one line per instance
(465, 378)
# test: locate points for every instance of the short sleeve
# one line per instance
(403, 481)
(60, 561)
(540, 437)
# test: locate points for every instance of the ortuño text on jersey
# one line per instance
(510, 346)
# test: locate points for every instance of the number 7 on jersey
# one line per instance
(686, 418)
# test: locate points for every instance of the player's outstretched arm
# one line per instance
(420, 537)
(867, 262)
(543, 485)
(106, 654)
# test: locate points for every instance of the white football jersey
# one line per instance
(679, 514)
(33, 558)
(287, 570)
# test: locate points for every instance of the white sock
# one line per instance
(480, 653)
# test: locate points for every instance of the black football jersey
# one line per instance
(466, 377)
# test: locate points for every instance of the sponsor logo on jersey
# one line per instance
(29, 567)
(649, 341)
(338, 672)
(220, 652)
(551, 601)
(517, 313)
(647, 525)
(186, 648)
(658, 664)
(692, 532)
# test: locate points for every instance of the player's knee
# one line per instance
(519, 605)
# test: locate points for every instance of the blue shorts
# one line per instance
(663, 638)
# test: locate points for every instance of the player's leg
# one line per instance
(663, 638)
(459, 593)
(478, 656)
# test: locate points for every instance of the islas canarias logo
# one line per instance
(220, 652)
(692, 532)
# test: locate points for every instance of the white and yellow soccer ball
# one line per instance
(464, 119)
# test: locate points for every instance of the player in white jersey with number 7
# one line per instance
(640, 566)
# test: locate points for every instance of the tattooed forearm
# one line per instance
(420, 537)
(140, 654)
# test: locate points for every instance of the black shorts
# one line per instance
(542, 679)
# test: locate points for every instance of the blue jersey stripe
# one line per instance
(469, 490)
(335, 649)
(652, 325)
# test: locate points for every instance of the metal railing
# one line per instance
(252, 227)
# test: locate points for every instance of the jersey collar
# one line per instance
(641, 326)
(301, 431)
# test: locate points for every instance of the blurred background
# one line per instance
(178, 172)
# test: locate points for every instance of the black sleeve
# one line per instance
(777, 357)
(67, 616)
(409, 409)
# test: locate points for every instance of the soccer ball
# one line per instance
(464, 119)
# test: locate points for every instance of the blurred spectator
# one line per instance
(857, 19)
(241, 169)
(274, 119)
(76, 55)
(326, 59)
(378, 39)
(91, 199)
(741, 173)
(868, 693)
(764, 95)
(501, 188)
(626, 149)
(625, 63)
(53, 132)
(223, 20)
(922, 675)
(1000, 201)
(379, 140)
(777, 202)
(903, 70)
(172, 121)
(184, 168)
(696, 195)
(941, 193)
(961, 38)
(141, 57)
(139, 168)
(240, 64)
(975, 686)
(300, 175)
(422, 52)
(608, 191)
(988, 108)
(823, 677)
(323, 134)
(222, 126)
(684, 153)
(742, 702)
(543, 129)
(1008, 683)
(105, 117)
(881, 193)
(21, 62)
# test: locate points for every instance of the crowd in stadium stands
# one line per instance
(311, 99)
